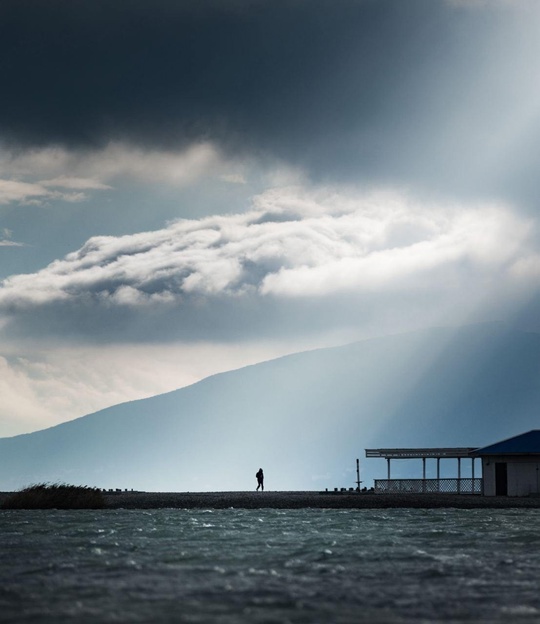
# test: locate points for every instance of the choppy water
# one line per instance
(270, 566)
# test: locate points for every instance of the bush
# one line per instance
(55, 496)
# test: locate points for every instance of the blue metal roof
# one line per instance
(524, 444)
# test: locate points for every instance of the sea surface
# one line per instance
(228, 566)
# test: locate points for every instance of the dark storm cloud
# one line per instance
(78, 72)
(356, 88)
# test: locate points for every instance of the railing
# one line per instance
(428, 486)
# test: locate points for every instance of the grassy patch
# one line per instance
(55, 496)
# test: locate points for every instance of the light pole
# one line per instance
(358, 475)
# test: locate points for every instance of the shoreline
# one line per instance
(306, 500)
(310, 500)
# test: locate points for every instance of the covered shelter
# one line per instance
(457, 485)
(511, 467)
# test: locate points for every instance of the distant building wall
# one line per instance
(510, 475)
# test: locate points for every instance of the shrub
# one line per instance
(55, 496)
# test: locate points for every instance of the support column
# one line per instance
(388, 462)
(459, 475)
(438, 474)
(472, 474)
(424, 475)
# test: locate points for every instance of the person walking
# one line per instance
(260, 480)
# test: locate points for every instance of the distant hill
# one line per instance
(304, 418)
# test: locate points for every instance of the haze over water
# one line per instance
(270, 566)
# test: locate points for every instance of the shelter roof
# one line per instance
(418, 453)
(524, 444)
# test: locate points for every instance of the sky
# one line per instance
(190, 186)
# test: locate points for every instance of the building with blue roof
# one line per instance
(511, 467)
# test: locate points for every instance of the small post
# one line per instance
(438, 474)
(459, 475)
(358, 475)
(388, 462)
(423, 475)
(472, 474)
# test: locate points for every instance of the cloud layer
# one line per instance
(295, 245)
(39, 175)
(429, 91)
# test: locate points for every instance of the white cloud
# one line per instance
(93, 169)
(296, 242)
(14, 191)
(179, 168)
(5, 240)
(42, 175)
(75, 183)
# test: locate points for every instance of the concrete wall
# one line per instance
(523, 474)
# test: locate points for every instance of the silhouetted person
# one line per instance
(260, 480)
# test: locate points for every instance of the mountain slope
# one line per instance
(304, 418)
